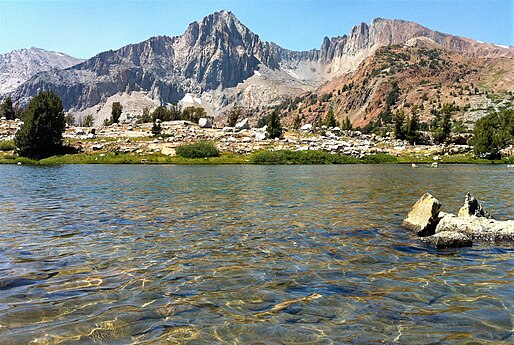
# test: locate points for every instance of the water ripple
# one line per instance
(246, 254)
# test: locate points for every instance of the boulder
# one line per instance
(306, 127)
(478, 228)
(243, 124)
(205, 122)
(448, 239)
(260, 135)
(473, 208)
(424, 216)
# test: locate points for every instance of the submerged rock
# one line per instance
(448, 239)
(424, 216)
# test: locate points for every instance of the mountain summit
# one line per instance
(18, 66)
(223, 62)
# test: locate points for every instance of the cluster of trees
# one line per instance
(173, 113)
(406, 128)
(494, 132)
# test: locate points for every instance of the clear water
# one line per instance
(246, 255)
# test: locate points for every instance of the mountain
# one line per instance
(420, 76)
(223, 63)
(19, 66)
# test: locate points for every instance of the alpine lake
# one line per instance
(247, 254)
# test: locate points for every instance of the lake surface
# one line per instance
(246, 255)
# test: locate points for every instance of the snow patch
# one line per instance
(502, 46)
(257, 73)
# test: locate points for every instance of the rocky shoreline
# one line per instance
(444, 230)
(241, 139)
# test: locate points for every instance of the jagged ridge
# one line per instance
(219, 53)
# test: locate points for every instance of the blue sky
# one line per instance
(84, 28)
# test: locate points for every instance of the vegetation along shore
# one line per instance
(162, 138)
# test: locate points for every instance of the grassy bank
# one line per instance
(260, 157)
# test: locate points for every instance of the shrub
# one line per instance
(88, 121)
(233, 117)
(41, 133)
(201, 149)
(193, 114)
(300, 157)
(6, 145)
(379, 158)
(156, 129)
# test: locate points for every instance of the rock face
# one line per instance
(219, 54)
(472, 224)
(472, 208)
(19, 66)
(424, 216)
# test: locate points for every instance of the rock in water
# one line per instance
(424, 216)
(477, 228)
(473, 208)
(448, 239)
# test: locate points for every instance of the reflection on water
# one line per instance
(246, 254)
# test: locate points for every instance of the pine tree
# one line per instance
(117, 108)
(44, 124)
(347, 124)
(330, 119)
(274, 126)
(399, 121)
(297, 122)
(6, 109)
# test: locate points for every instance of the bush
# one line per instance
(41, 133)
(493, 132)
(7, 145)
(88, 121)
(233, 117)
(156, 129)
(379, 158)
(300, 157)
(201, 149)
(193, 114)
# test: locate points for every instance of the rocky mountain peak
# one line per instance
(218, 55)
(18, 66)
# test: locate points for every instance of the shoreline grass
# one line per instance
(280, 157)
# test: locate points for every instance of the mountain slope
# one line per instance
(19, 66)
(224, 63)
(421, 75)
